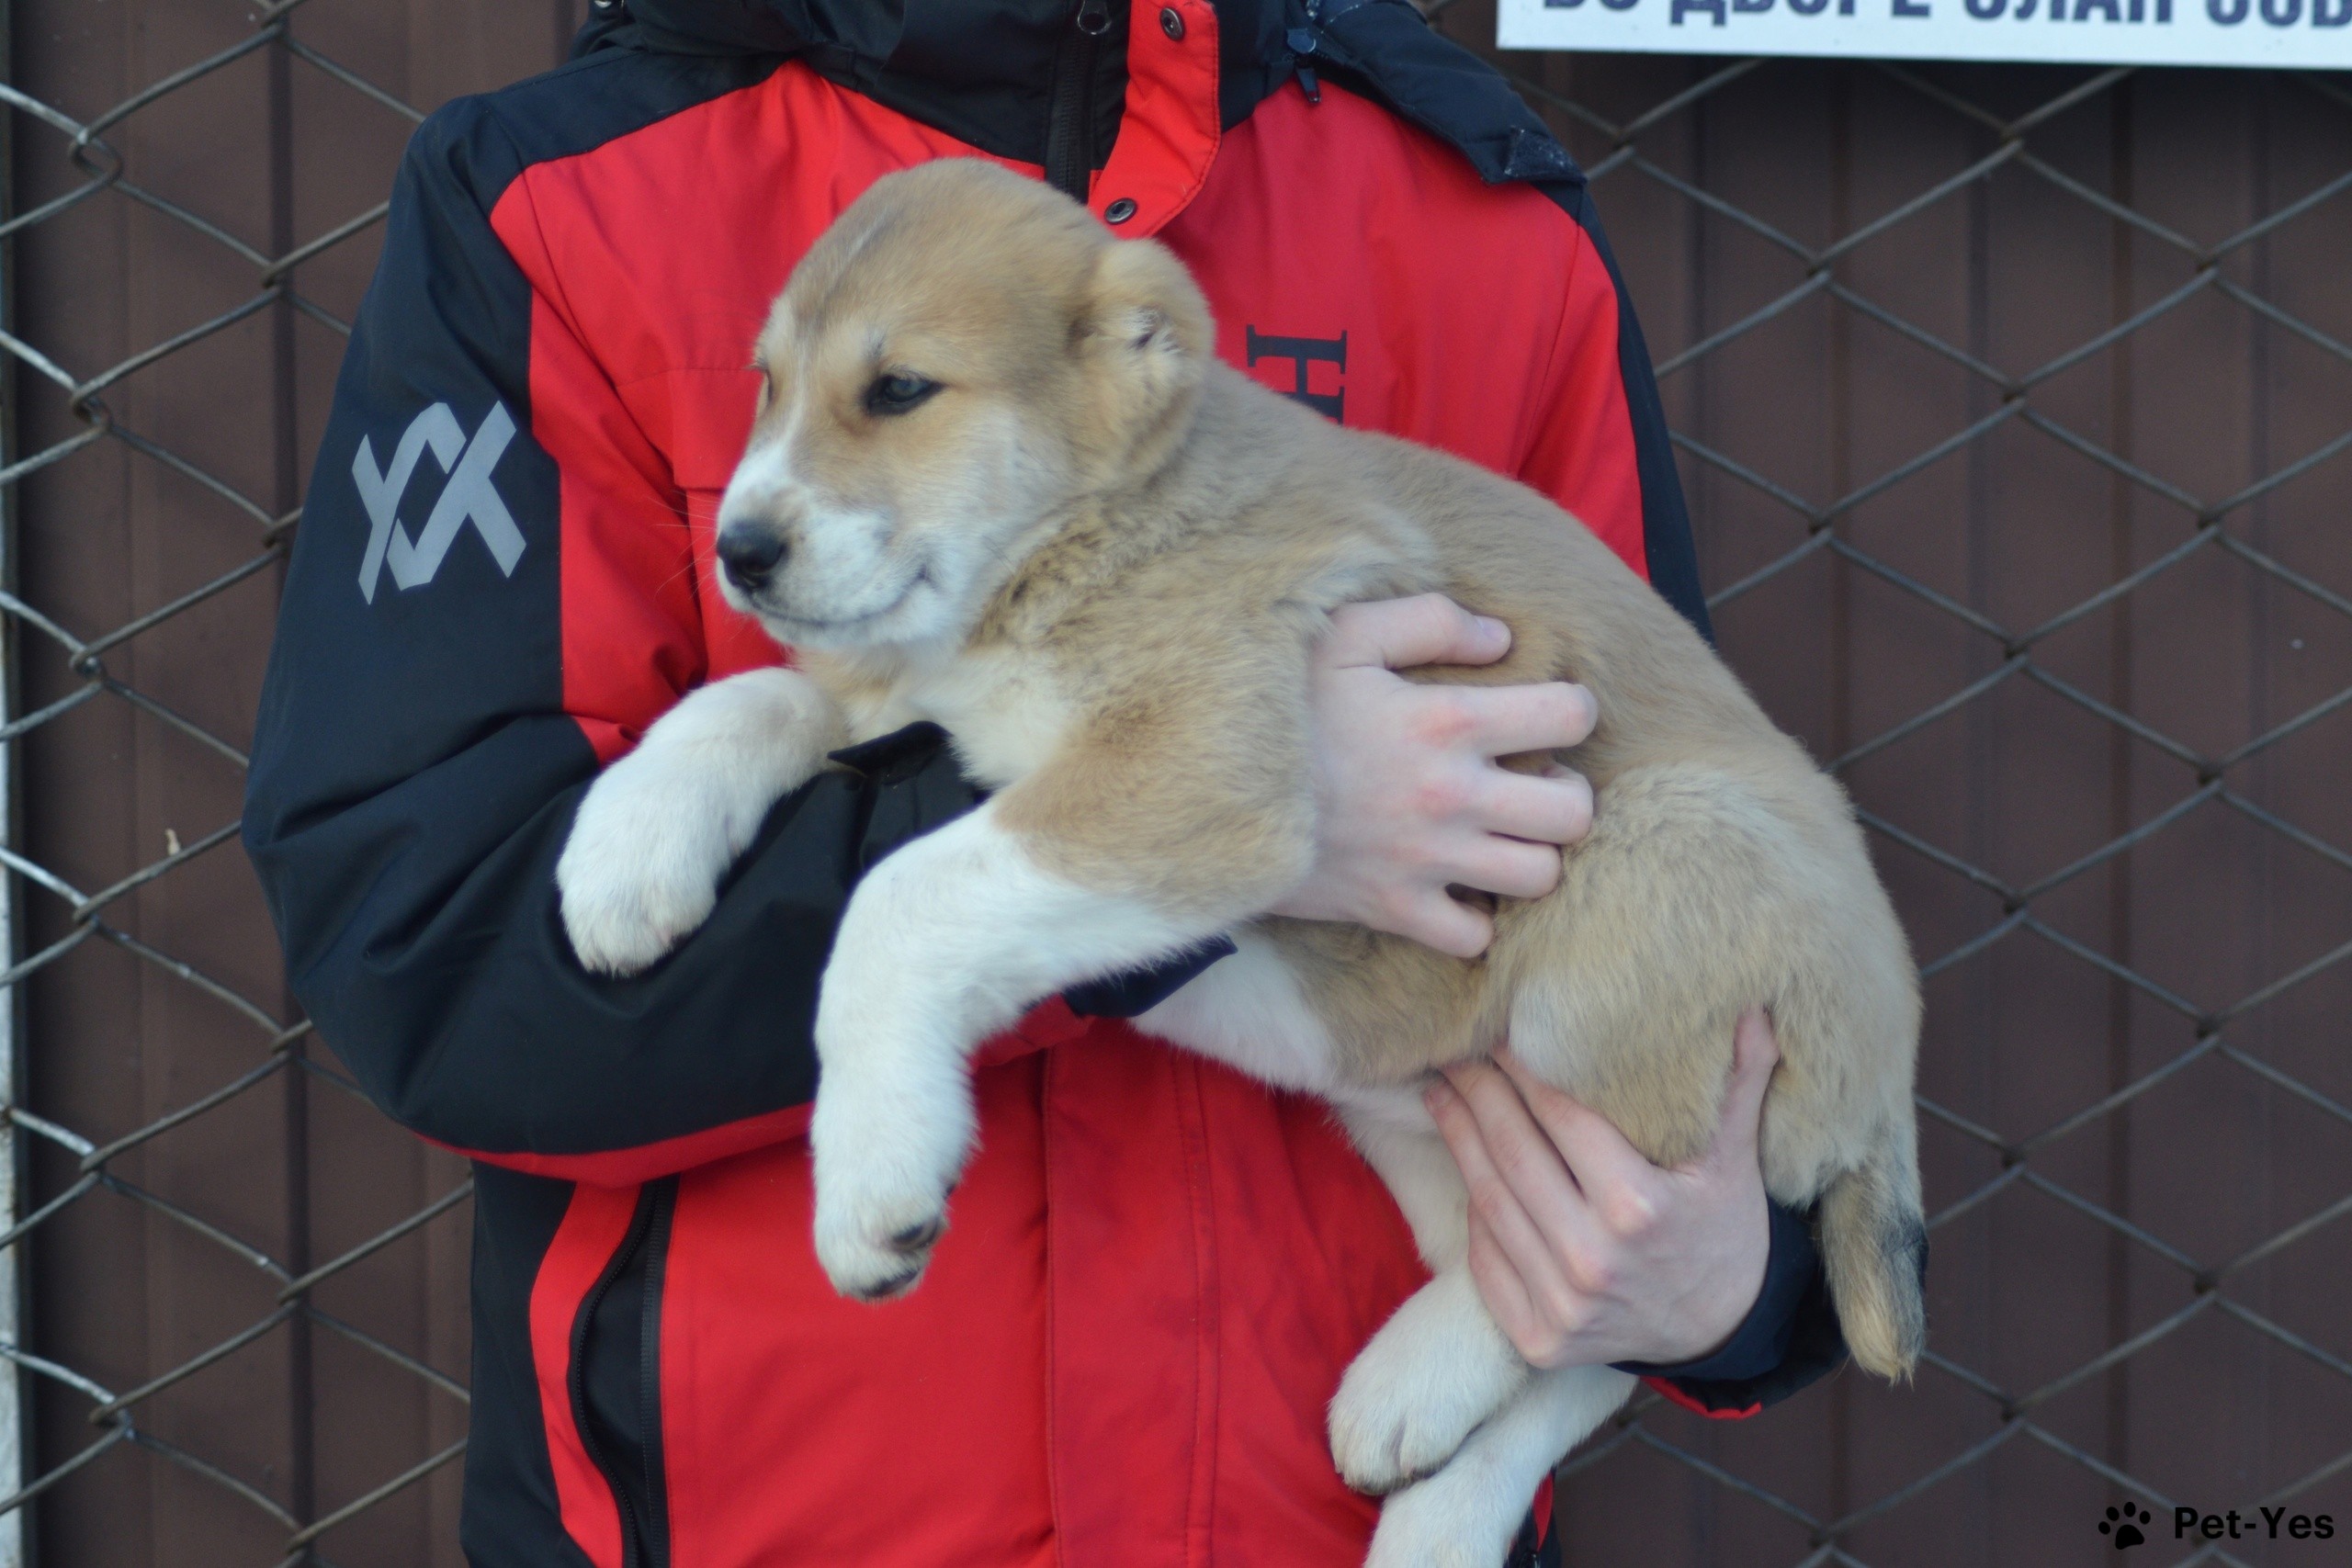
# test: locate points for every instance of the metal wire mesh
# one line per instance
(1782, 535)
(171, 1437)
(1847, 537)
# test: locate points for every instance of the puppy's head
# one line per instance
(964, 355)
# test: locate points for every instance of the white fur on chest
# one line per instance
(1247, 1011)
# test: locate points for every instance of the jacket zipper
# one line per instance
(643, 1546)
(1070, 126)
(648, 1365)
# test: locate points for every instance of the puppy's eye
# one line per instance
(899, 391)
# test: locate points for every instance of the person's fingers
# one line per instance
(1428, 917)
(1551, 808)
(1557, 1249)
(1492, 1196)
(1507, 720)
(1503, 866)
(1618, 1181)
(1506, 1294)
(1399, 634)
(1754, 1052)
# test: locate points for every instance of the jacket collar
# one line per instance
(1156, 86)
(996, 48)
(986, 73)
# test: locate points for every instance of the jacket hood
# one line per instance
(982, 70)
(965, 40)
(985, 70)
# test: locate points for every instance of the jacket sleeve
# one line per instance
(422, 744)
(1789, 1338)
(1602, 450)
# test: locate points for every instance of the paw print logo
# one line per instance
(2125, 1523)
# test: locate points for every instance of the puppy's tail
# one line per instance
(1874, 1240)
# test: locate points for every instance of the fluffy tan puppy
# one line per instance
(1000, 480)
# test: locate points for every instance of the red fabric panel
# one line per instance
(1134, 1271)
(594, 1225)
(1691, 1404)
(665, 1157)
(1168, 138)
(1394, 243)
(802, 1427)
(1315, 1258)
(631, 622)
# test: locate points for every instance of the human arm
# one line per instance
(427, 730)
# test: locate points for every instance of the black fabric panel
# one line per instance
(651, 1446)
(574, 108)
(1385, 50)
(1134, 992)
(616, 1376)
(1817, 1346)
(1525, 1554)
(511, 1517)
(980, 69)
(607, 1370)
(1816, 1349)
(1672, 555)
(414, 776)
(1760, 1346)
(1252, 58)
(982, 73)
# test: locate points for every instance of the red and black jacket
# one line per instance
(1157, 1268)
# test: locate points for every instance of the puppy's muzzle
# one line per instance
(749, 554)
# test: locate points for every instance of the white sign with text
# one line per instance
(2303, 34)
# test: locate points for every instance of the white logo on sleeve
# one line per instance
(468, 497)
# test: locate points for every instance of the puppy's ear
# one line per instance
(1144, 330)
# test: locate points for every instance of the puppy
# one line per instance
(999, 481)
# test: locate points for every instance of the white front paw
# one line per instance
(1442, 1523)
(893, 1121)
(1433, 1374)
(874, 1241)
(639, 871)
(882, 1192)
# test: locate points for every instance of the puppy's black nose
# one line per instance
(749, 554)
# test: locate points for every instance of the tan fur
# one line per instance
(1163, 538)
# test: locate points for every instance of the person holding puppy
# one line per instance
(1157, 1268)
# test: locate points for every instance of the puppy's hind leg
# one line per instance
(1465, 1516)
(658, 828)
(1441, 1365)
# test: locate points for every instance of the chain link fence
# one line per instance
(246, 1338)
(2015, 407)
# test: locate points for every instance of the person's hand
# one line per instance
(1586, 1252)
(1409, 799)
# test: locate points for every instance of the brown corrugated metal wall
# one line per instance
(2114, 818)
